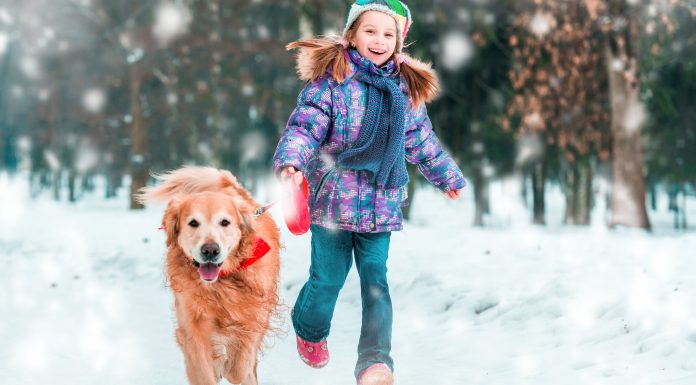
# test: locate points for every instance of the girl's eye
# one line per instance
(193, 223)
(389, 35)
(225, 223)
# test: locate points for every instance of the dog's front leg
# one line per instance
(243, 367)
(251, 378)
(199, 359)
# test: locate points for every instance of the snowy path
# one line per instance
(83, 301)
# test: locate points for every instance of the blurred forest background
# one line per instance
(558, 92)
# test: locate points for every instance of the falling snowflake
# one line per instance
(634, 116)
(3, 43)
(457, 50)
(171, 21)
(93, 100)
(541, 24)
(30, 67)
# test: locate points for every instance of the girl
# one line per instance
(359, 118)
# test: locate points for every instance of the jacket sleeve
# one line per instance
(306, 128)
(424, 149)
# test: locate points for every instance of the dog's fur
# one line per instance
(220, 323)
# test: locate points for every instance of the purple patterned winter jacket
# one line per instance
(325, 123)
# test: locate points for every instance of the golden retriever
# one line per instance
(225, 295)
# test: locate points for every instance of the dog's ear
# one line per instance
(247, 219)
(170, 221)
(246, 225)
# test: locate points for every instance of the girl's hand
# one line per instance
(291, 172)
(454, 194)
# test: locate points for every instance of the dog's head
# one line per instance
(210, 228)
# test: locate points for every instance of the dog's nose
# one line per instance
(210, 251)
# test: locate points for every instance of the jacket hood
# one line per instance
(318, 57)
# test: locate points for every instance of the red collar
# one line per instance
(260, 250)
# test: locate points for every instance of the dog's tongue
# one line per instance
(209, 271)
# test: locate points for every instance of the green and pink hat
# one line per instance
(394, 8)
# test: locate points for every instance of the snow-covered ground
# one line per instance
(83, 300)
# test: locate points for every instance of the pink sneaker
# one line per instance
(376, 374)
(314, 354)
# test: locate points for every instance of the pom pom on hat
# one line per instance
(394, 8)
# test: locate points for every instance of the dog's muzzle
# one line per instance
(210, 252)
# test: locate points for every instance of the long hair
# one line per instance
(322, 54)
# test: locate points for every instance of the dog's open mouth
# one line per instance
(208, 271)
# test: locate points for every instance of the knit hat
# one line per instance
(394, 8)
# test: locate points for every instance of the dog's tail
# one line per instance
(188, 180)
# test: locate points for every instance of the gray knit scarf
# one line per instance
(380, 146)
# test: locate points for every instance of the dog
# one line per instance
(222, 265)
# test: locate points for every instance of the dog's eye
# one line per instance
(193, 223)
(225, 223)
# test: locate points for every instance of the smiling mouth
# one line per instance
(377, 51)
(208, 271)
(198, 264)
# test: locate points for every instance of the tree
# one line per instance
(618, 19)
(560, 99)
(471, 58)
(669, 88)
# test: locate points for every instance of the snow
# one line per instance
(93, 100)
(617, 65)
(52, 160)
(457, 50)
(5, 17)
(43, 94)
(541, 24)
(634, 116)
(135, 55)
(83, 299)
(171, 20)
(529, 147)
(87, 157)
(3, 43)
(253, 146)
(172, 98)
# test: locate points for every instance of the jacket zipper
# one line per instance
(322, 181)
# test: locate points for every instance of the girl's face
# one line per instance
(375, 36)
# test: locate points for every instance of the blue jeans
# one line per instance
(332, 258)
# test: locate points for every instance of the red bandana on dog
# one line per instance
(259, 251)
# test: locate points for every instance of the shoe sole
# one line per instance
(315, 365)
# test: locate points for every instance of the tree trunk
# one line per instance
(570, 189)
(72, 196)
(113, 182)
(682, 211)
(313, 16)
(584, 195)
(538, 191)
(628, 180)
(578, 191)
(57, 182)
(480, 195)
(653, 196)
(684, 224)
(138, 137)
(524, 193)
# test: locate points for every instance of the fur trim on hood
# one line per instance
(319, 56)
